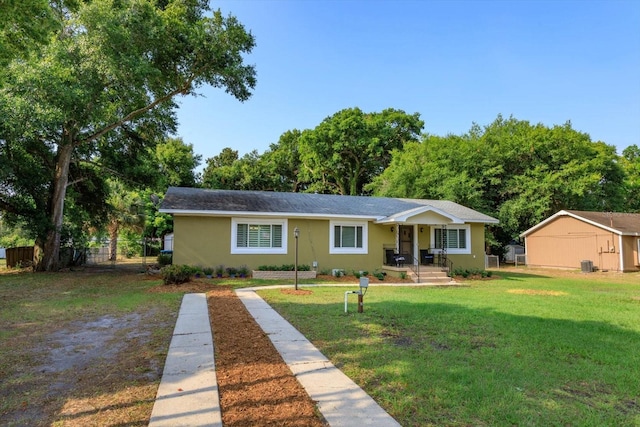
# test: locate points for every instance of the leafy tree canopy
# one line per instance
(513, 170)
(630, 162)
(347, 150)
(102, 90)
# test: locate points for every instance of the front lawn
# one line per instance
(524, 349)
(81, 348)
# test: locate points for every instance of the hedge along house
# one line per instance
(609, 241)
(254, 228)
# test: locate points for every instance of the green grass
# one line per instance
(522, 350)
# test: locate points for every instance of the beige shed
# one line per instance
(573, 239)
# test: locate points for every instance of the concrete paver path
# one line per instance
(341, 401)
(188, 391)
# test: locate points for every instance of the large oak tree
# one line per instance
(515, 171)
(103, 88)
(348, 149)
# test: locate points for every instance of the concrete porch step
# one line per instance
(429, 277)
(428, 274)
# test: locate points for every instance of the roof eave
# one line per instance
(197, 212)
(401, 217)
(572, 215)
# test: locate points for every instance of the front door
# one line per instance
(406, 241)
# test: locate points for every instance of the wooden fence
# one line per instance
(22, 256)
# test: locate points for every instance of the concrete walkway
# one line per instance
(188, 392)
(341, 401)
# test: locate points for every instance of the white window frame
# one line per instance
(638, 241)
(365, 237)
(253, 221)
(453, 251)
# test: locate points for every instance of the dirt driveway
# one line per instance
(105, 370)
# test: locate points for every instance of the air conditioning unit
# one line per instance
(587, 266)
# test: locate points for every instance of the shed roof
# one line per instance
(616, 222)
(196, 201)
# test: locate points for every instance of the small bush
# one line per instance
(403, 275)
(380, 275)
(165, 259)
(176, 274)
(219, 270)
(473, 272)
(243, 271)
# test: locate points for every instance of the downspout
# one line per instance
(621, 254)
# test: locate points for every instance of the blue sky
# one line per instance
(454, 62)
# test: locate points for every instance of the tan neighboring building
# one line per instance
(609, 240)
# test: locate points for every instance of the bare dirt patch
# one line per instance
(536, 292)
(98, 371)
(296, 291)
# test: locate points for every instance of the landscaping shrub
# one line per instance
(176, 274)
(380, 275)
(243, 271)
(165, 259)
(219, 270)
(472, 272)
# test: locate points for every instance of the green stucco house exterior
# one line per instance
(253, 228)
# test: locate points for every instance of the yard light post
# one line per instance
(296, 233)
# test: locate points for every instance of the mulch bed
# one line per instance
(256, 387)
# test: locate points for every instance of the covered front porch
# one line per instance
(420, 245)
(416, 255)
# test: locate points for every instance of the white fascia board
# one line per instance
(401, 217)
(572, 215)
(482, 221)
(182, 212)
(540, 224)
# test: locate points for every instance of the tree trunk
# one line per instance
(50, 256)
(113, 240)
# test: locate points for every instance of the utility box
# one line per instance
(587, 266)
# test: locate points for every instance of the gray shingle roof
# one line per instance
(624, 222)
(618, 222)
(202, 201)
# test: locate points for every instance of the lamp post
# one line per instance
(296, 233)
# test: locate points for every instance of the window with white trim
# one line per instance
(348, 237)
(457, 239)
(257, 236)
